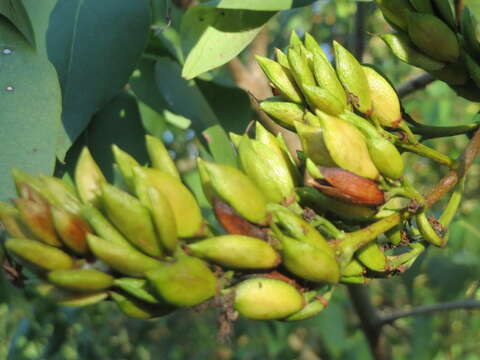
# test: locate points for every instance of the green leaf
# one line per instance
(211, 36)
(14, 10)
(262, 5)
(30, 103)
(95, 46)
(185, 98)
(117, 123)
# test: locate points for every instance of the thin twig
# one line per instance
(417, 83)
(465, 161)
(428, 309)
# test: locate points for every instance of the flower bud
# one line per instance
(185, 282)
(137, 309)
(88, 178)
(372, 257)
(405, 50)
(471, 32)
(69, 298)
(312, 45)
(306, 261)
(433, 37)
(347, 147)
(353, 79)
(294, 226)
(281, 78)
(237, 252)
(126, 163)
(282, 58)
(235, 188)
(137, 288)
(10, 219)
(72, 229)
(395, 11)
(446, 8)
(422, 6)
(186, 211)
(283, 112)
(160, 157)
(353, 268)
(266, 169)
(386, 104)
(38, 218)
(131, 218)
(80, 280)
(266, 299)
(314, 306)
(40, 256)
(299, 67)
(473, 69)
(121, 258)
(313, 144)
(323, 99)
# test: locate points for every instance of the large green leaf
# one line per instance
(211, 36)
(259, 5)
(185, 98)
(14, 10)
(117, 123)
(30, 103)
(95, 46)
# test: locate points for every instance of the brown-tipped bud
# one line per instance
(266, 299)
(72, 229)
(38, 218)
(60, 193)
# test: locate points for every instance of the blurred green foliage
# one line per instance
(31, 328)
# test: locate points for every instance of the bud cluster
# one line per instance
(430, 35)
(291, 229)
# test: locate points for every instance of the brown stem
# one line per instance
(428, 309)
(369, 320)
(417, 83)
(465, 161)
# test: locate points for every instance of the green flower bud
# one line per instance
(235, 139)
(234, 188)
(427, 231)
(282, 58)
(353, 268)
(186, 211)
(38, 218)
(347, 146)
(268, 170)
(395, 11)
(313, 144)
(312, 45)
(160, 157)
(283, 112)
(72, 229)
(314, 307)
(372, 257)
(294, 226)
(131, 218)
(126, 163)
(281, 78)
(471, 32)
(299, 67)
(237, 252)
(386, 104)
(137, 288)
(433, 37)
(40, 256)
(308, 262)
(80, 280)
(28, 186)
(60, 193)
(405, 50)
(446, 8)
(121, 258)
(186, 282)
(323, 100)
(137, 309)
(266, 299)
(102, 226)
(69, 298)
(88, 178)
(10, 218)
(353, 79)
(473, 69)
(353, 279)
(294, 39)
